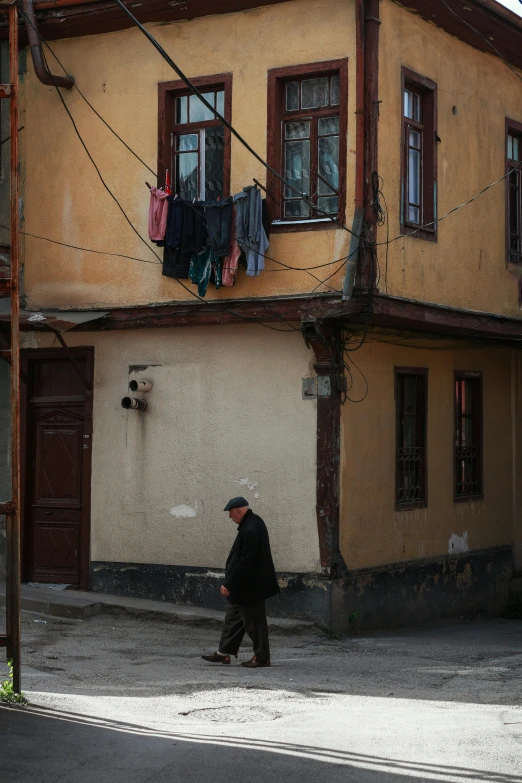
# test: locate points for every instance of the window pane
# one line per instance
(181, 110)
(416, 107)
(516, 146)
(189, 141)
(335, 90)
(187, 175)
(328, 204)
(415, 139)
(510, 147)
(408, 104)
(214, 162)
(414, 177)
(296, 209)
(292, 96)
(514, 211)
(327, 126)
(413, 214)
(297, 166)
(198, 111)
(297, 130)
(328, 164)
(220, 102)
(314, 93)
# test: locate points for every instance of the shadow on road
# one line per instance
(39, 745)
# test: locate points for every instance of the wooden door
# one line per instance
(58, 466)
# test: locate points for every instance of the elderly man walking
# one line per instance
(250, 578)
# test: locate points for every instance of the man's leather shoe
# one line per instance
(216, 658)
(255, 663)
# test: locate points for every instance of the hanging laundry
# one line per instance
(204, 267)
(194, 237)
(218, 215)
(251, 236)
(158, 210)
(230, 262)
(176, 263)
(174, 230)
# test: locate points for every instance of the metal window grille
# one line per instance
(411, 390)
(468, 436)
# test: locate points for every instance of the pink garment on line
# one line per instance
(230, 263)
(158, 210)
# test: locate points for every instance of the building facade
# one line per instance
(363, 390)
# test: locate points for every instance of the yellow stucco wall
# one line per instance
(119, 74)
(372, 532)
(467, 266)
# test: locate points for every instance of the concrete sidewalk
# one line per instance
(80, 604)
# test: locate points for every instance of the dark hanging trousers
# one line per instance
(250, 618)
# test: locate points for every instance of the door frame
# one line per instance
(27, 357)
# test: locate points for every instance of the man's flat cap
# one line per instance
(238, 502)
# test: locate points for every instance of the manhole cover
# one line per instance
(233, 714)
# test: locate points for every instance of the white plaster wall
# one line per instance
(225, 418)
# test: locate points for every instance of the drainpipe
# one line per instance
(40, 68)
(371, 121)
(366, 114)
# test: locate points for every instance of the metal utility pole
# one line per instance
(11, 640)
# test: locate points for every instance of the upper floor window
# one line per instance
(411, 399)
(514, 192)
(468, 436)
(307, 143)
(194, 146)
(419, 158)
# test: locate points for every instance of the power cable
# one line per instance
(225, 122)
(451, 211)
(465, 21)
(196, 296)
(89, 104)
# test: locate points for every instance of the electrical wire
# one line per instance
(227, 124)
(89, 104)
(451, 211)
(465, 21)
(196, 296)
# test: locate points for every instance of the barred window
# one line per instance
(411, 459)
(468, 436)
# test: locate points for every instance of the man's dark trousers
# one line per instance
(250, 618)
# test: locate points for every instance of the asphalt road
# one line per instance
(117, 698)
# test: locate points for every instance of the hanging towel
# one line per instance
(158, 209)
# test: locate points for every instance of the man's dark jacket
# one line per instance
(249, 573)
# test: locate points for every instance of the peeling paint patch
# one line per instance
(245, 482)
(184, 512)
(458, 543)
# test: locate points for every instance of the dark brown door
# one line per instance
(58, 466)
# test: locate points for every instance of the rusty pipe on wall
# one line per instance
(40, 67)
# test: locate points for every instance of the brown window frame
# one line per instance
(427, 91)
(277, 78)
(515, 129)
(167, 93)
(477, 433)
(421, 435)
